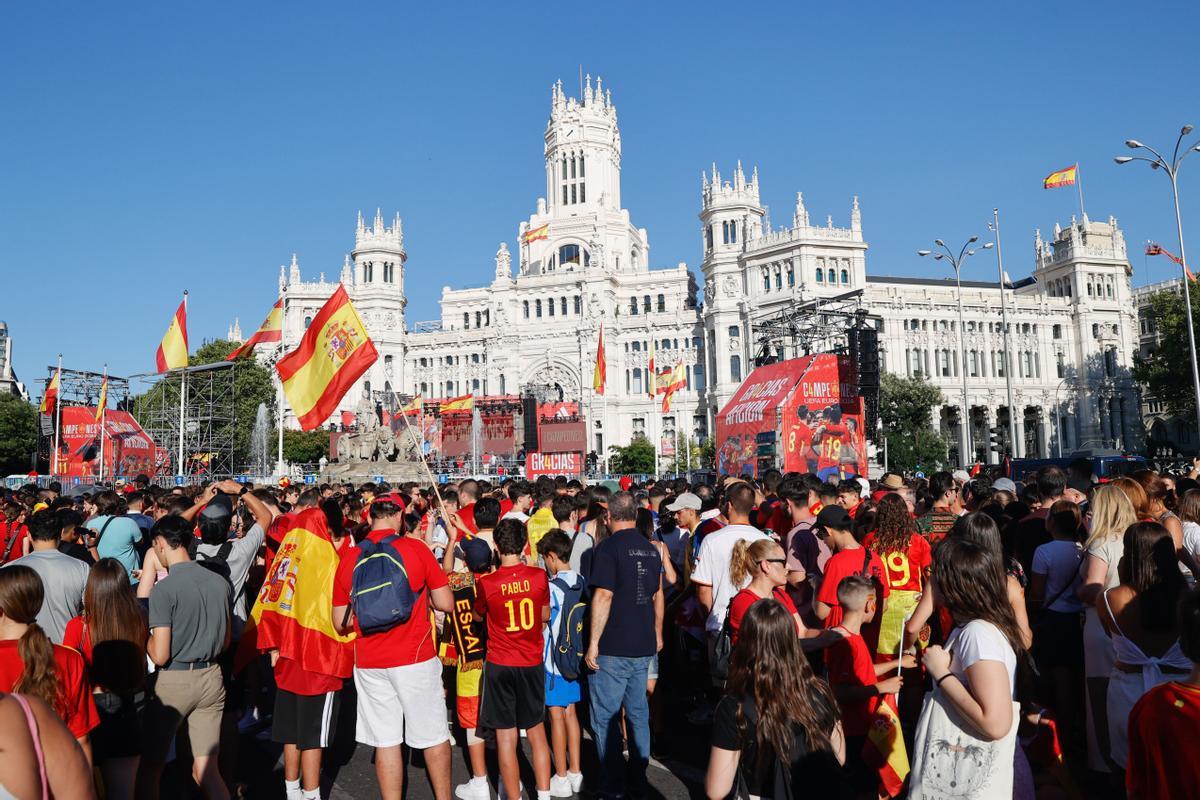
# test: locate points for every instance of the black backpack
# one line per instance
(723, 648)
(218, 563)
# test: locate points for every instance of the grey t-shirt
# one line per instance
(63, 580)
(241, 558)
(582, 541)
(193, 601)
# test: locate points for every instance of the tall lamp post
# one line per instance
(1171, 168)
(956, 262)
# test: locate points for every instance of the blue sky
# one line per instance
(150, 148)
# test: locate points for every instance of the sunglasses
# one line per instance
(775, 560)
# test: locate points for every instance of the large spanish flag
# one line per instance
(173, 349)
(50, 396)
(103, 401)
(292, 612)
(533, 234)
(1063, 177)
(600, 375)
(332, 356)
(884, 749)
(670, 382)
(464, 403)
(270, 331)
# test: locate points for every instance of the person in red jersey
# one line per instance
(14, 535)
(849, 558)
(827, 441)
(464, 520)
(515, 602)
(907, 559)
(396, 671)
(1164, 725)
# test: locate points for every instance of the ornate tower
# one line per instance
(377, 269)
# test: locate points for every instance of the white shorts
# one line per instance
(402, 705)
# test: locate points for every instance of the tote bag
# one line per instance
(950, 761)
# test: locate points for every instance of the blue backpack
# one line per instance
(380, 593)
(568, 643)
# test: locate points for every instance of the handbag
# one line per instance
(950, 761)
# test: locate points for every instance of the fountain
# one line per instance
(260, 441)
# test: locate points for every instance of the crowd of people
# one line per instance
(961, 635)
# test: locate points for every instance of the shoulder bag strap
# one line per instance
(103, 528)
(13, 529)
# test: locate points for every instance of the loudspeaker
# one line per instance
(529, 406)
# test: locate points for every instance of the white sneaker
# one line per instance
(576, 779)
(474, 789)
(560, 786)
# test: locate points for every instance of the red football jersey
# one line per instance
(905, 571)
(829, 449)
(514, 599)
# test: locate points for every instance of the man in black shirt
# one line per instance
(69, 522)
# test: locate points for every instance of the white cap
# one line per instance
(685, 500)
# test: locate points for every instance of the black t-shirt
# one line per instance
(812, 774)
(628, 566)
(1026, 535)
(76, 550)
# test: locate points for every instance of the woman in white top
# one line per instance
(976, 670)
(1140, 615)
(1189, 513)
(1112, 514)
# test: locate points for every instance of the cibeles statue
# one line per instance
(373, 442)
(365, 415)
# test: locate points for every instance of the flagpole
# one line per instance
(103, 403)
(279, 465)
(182, 393)
(428, 471)
(57, 418)
(1079, 188)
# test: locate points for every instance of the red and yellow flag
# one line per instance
(669, 382)
(600, 375)
(270, 331)
(884, 749)
(332, 356)
(415, 407)
(1063, 177)
(533, 234)
(103, 401)
(464, 403)
(173, 349)
(291, 614)
(651, 374)
(50, 396)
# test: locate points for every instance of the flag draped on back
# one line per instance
(270, 331)
(464, 403)
(600, 375)
(1062, 177)
(173, 349)
(332, 356)
(50, 397)
(103, 401)
(292, 612)
(884, 749)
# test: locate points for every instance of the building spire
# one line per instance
(739, 177)
(294, 272)
(587, 91)
(378, 221)
(855, 216)
(361, 226)
(800, 218)
(347, 277)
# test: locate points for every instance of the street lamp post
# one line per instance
(1171, 168)
(1012, 417)
(956, 262)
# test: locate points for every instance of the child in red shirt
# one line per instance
(515, 601)
(853, 674)
(850, 558)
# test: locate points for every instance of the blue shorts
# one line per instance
(561, 692)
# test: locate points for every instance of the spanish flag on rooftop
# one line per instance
(332, 356)
(533, 234)
(464, 403)
(270, 331)
(1063, 177)
(173, 349)
(600, 374)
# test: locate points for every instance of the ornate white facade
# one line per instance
(537, 321)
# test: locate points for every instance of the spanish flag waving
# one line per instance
(600, 375)
(291, 614)
(464, 403)
(332, 356)
(533, 234)
(1063, 177)
(102, 403)
(270, 331)
(173, 349)
(415, 407)
(50, 396)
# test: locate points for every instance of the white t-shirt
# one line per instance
(980, 640)
(1191, 539)
(712, 568)
(517, 515)
(1059, 562)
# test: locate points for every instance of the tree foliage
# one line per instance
(18, 434)
(1167, 372)
(305, 447)
(906, 410)
(635, 458)
(253, 384)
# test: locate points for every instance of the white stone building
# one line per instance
(8, 379)
(584, 263)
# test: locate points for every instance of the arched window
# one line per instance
(662, 302)
(563, 306)
(307, 322)
(633, 306)
(550, 303)
(791, 275)
(578, 304)
(735, 368)
(766, 279)
(637, 380)
(698, 377)
(646, 303)
(466, 320)
(572, 255)
(537, 308)
(526, 306)
(820, 275)
(846, 276)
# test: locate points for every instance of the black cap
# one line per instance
(834, 517)
(220, 509)
(477, 554)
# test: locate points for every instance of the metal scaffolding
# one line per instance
(207, 413)
(77, 388)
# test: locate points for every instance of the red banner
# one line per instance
(552, 464)
(128, 450)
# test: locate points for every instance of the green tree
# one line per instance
(18, 434)
(252, 385)
(1166, 372)
(635, 458)
(906, 408)
(305, 447)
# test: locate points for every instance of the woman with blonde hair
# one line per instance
(763, 564)
(1112, 514)
(1137, 496)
